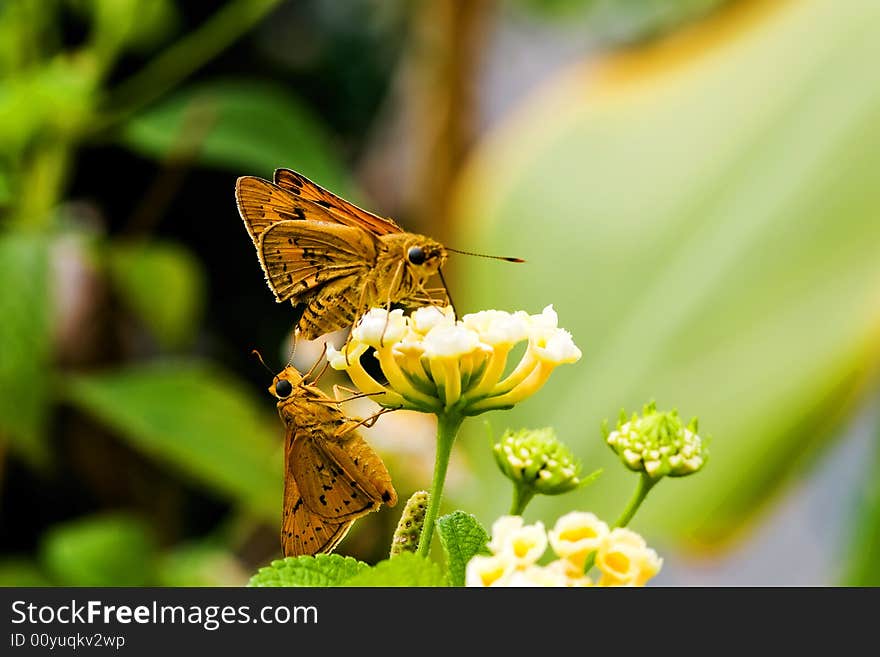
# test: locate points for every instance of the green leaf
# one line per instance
(249, 128)
(25, 340)
(196, 419)
(22, 571)
(462, 536)
(200, 564)
(319, 570)
(406, 569)
(163, 284)
(709, 235)
(111, 550)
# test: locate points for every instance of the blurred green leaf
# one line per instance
(200, 564)
(406, 569)
(319, 570)
(248, 127)
(22, 571)
(197, 419)
(128, 24)
(709, 235)
(163, 284)
(25, 340)
(462, 536)
(108, 550)
(863, 564)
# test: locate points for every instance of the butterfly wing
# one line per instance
(341, 479)
(262, 204)
(343, 211)
(302, 531)
(299, 257)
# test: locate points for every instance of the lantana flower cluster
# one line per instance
(621, 555)
(437, 364)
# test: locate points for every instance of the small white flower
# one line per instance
(379, 326)
(496, 327)
(548, 319)
(526, 544)
(625, 559)
(534, 576)
(450, 341)
(502, 530)
(494, 570)
(575, 535)
(427, 317)
(555, 347)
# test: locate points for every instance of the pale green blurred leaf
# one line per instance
(708, 232)
(25, 341)
(200, 564)
(163, 284)
(106, 550)
(196, 419)
(22, 571)
(319, 570)
(248, 127)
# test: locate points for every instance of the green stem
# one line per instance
(642, 489)
(447, 428)
(185, 56)
(522, 495)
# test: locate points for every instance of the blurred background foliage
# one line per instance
(703, 175)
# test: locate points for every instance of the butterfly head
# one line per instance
(424, 256)
(285, 382)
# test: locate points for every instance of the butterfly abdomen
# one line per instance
(334, 307)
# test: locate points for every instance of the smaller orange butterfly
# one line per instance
(332, 476)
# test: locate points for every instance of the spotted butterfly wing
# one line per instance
(341, 478)
(344, 212)
(302, 531)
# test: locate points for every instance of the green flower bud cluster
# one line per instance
(658, 443)
(536, 459)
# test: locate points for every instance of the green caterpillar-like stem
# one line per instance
(409, 528)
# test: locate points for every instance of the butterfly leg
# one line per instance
(395, 282)
(366, 422)
(355, 394)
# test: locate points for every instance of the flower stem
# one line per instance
(644, 486)
(522, 495)
(448, 425)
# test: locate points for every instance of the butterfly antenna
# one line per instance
(484, 255)
(292, 348)
(262, 362)
(448, 294)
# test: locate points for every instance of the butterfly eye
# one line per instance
(416, 255)
(283, 388)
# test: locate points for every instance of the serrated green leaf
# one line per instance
(197, 419)
(406, 569)
(462, 536)
(109, 550)
(709, 236)
(25, 340)
(163, 284)
(319, 570)
(251, 128)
